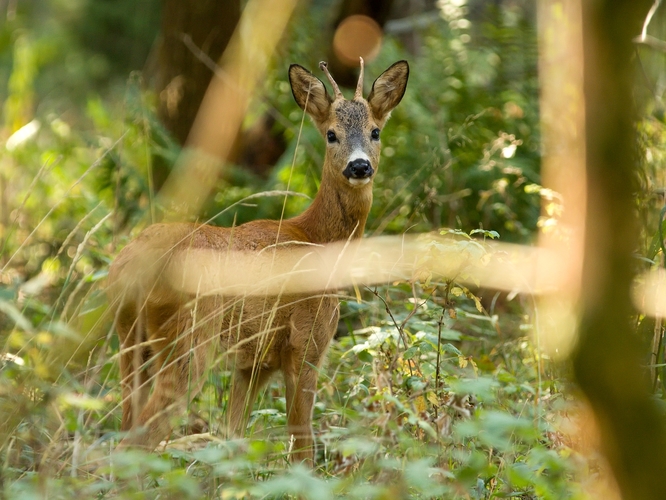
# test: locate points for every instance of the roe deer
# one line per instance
(169, 336)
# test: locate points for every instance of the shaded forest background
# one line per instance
(433, 389)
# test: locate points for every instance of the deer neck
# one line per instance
(338, 212)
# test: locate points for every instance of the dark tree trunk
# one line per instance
(182, 77)
(608, 360)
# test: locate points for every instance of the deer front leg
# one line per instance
(312, 325)
(301, 384)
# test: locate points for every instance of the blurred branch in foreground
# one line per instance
(607, 360)
(563, 166)
(307, 268)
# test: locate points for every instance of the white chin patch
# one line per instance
(359, 182)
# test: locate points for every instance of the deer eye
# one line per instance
(375, 134)
(331, 137)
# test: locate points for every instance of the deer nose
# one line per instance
(358, 169)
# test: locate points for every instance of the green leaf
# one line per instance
(410, 353)
(483, 387)
(450, 348)
(210, 455)
(365, 356)
(15, 315)
(449, 334)
(520, 475)
(415, 383)
(487, 234)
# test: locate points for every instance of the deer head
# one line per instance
(352, 128)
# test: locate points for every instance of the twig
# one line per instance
(651, 41)
(203, 57)
(657, 335)
(648, 18)
(398, 327)
(412, 23)
(413, 311)
(95, 164)
(440, 322)
(222, 75)
(45, 168)
(447, 290)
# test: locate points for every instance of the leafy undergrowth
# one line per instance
(428, 392)
(425, 395)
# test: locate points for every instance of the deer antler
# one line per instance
(359, 86)
(336, 90)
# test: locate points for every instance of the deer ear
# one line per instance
(309, 92)
(387, 91)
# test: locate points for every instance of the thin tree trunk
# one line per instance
(608, 359)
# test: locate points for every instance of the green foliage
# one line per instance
(461, 150)
(431, 390)
(464, 145)
(118, 34)
(651, 135)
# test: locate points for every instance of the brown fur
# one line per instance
(170, 337)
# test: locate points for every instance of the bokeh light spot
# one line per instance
(357, 36)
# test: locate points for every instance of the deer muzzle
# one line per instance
(359, 168)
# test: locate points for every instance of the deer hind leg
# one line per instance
(135, 384)
(133, 374)
(181, 363)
